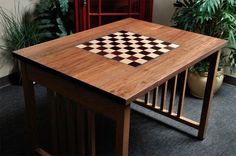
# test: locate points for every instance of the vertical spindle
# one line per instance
(155, 97)
(173, 94)
(147, 98)
(163, 96)
(183, 76)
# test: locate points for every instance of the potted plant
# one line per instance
(54, 17)
(215, 18)
(19, 31)
(26, 28)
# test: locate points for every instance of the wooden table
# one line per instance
(102, 83)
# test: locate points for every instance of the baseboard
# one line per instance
(9, 80)
(230, 80)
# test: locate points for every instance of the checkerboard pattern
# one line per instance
(128, 47)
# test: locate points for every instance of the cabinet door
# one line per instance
(106, 11)
(94, 13)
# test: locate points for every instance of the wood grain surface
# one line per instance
(113, 78)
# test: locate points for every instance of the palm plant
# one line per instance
(215, 18)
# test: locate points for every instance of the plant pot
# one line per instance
(197, 83)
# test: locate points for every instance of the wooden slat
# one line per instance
(140, 100)
(184, 76)
(155, 97)
(41, 152)
(61, 124)
(80, 129)
(163, 96)
(91, 133)
(53, 120)
(70, 114)
(147, 98)
(173, 94)
(173, 116)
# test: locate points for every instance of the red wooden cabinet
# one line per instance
(93, 13)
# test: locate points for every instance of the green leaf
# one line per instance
(210, 6)
(231, 2)
(61, 28)
(231, 37)
(215, 18)
(64, 5)
(44, 27)
(43, 6)
(19, 31)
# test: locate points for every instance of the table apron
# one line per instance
(83, 96)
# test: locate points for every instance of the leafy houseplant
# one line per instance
(25, 28)
(215, 18)
(19, 31)
(53, 16)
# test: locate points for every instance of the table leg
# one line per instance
(91, 133)
(122, 132)
(214, 61)
(30, 105)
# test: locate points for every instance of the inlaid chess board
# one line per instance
(128, 47)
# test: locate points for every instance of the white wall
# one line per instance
(6, 67)
(163, 11)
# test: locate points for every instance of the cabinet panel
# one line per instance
(111, 6)
(135, 6)
(95, 21)
(93, 13)
(94, 6)
(109, 19)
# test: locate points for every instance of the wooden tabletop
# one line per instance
(116, 79)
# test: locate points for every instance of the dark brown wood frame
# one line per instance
(117, 111)
(46, 64)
